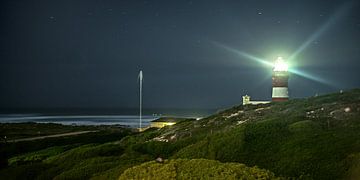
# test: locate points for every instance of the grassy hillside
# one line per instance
(31, 129)
(309, 137)
(315, 138)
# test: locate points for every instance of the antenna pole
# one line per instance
(141, 78)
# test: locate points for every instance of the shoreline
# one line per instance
(128, 121)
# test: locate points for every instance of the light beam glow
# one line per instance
(330, 22)
(243, 54)
(280, 64)
(277, 65)
(309, 76)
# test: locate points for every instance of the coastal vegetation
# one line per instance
(195, 169)
(31, 129)
(311, 138)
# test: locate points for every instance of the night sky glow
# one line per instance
(194, 54)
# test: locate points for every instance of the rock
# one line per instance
(347, 109)
(159, 160)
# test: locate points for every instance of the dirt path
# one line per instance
(50, 136)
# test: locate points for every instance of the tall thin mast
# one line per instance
(140, 81)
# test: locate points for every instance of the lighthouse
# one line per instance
(280, 77)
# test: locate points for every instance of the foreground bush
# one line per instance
(195, 169)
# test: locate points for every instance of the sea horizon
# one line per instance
(79, 120)
(127, 120)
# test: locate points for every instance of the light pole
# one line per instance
(140, 103)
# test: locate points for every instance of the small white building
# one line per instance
(246, 101)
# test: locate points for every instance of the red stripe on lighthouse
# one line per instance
(279, 99)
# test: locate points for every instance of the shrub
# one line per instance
(195, 169)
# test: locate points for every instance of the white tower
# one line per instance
(280, 79)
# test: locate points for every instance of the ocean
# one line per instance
(96, 116)
(124, 120)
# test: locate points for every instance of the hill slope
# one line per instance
(316, 138)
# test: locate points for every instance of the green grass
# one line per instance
(30, 129)
(195, 169)
(13, 149)
(290, 149)
(282, 138)
(37, 156)
(75, 155)
(28, 171)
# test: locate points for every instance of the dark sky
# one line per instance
(88, 53)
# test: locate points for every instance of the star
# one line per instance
(52, 18)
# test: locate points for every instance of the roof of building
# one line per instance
(259, 102)
(168, 119)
